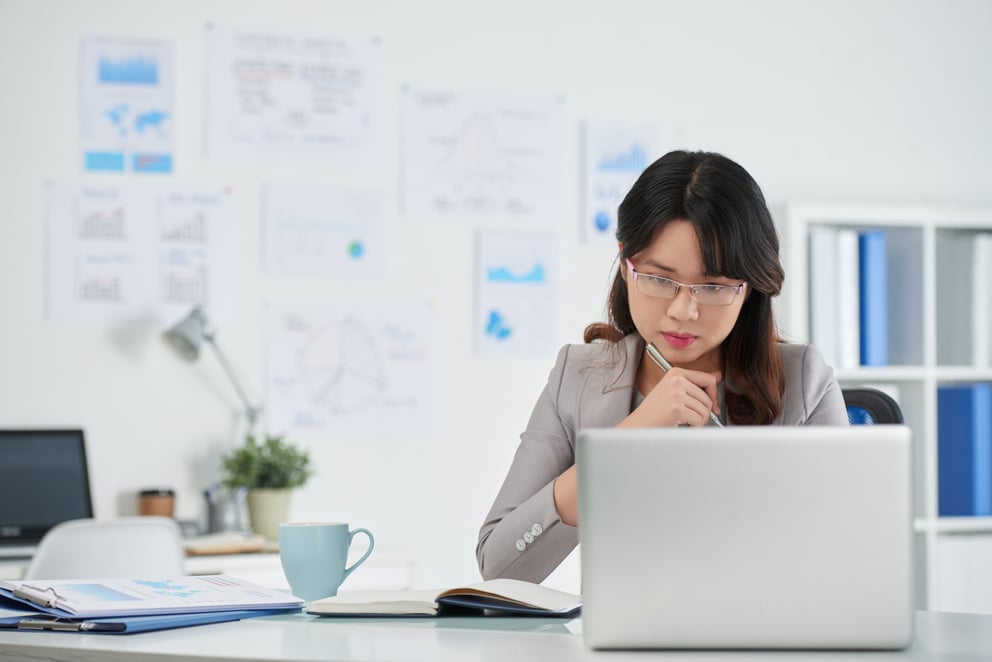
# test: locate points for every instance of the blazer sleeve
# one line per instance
(522, 536)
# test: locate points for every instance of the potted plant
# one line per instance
(271, 470)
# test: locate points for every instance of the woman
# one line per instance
(698, 266)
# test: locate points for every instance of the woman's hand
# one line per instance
(681, 397)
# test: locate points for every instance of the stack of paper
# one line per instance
(135, 605)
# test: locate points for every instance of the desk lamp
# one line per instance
(186, 338)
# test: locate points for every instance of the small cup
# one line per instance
(159, 502)
(314, 554)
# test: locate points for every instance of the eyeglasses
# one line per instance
(660, 287)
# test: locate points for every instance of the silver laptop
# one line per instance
(746, 537)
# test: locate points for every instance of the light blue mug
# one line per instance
(314, 554)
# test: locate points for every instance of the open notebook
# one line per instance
(496, 596)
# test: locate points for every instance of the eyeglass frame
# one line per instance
(635, 274)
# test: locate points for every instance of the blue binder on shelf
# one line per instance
(874, 299)
(964, 450)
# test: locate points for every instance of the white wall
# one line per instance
(885, 101)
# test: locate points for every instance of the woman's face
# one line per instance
(687, 333)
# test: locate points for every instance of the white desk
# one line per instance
(299, 638)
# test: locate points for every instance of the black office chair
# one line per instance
(869, 406)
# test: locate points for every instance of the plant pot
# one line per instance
(267, 509)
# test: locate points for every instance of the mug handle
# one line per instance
(351, 536)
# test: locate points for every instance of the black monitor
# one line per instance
(43, 481)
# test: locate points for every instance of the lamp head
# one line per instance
(188, 334)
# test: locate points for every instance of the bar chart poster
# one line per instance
(482, 155)
(127, 105)
(131, 251)
(290, 96)
(614, 155)
(342, 369)
(515, 299)
(324, 231)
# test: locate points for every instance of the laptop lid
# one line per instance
(43, 481)
(746, 537)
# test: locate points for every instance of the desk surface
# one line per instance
(299, 637)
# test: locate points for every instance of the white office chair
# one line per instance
(133, 547)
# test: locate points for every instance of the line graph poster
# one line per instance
(323, 231)
(482, 155)
(289, 96)
(349, 369)
(135, 251)
(614, 155)
(515, 303)
(127, 105)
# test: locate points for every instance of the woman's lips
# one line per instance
(678, 341)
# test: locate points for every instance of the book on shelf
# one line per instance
(981, 305)
(495, 596)
(873, 300)
(955, 314)
(823, 329)
(848, 310)
(964, 450)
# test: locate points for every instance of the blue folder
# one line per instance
(964, 450)
(38, 621)
(874, 292)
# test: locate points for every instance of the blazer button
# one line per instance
(528, 537)
(520, 545)
(536, 529)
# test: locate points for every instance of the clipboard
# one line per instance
(118, 599)
(41, 622)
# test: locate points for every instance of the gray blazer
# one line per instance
(523, 537)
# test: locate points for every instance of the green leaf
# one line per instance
(273, 463)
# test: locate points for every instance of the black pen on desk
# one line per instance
(666, 366)
(56, 625)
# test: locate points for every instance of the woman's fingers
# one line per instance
(692, 394)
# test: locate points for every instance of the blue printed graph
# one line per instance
(496, 326)
(152, 119)
(635, 159)
(93, 592)
(602, 221)
(168, 588)
(502, 274)
(120, 116)
(128, 71)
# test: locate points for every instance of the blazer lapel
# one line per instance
(607, 391)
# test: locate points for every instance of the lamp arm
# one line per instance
(251, 410)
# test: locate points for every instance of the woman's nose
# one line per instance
(683, 306)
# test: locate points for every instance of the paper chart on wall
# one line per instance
(119, 251)
(515, 302)
(349, 369)
(324, 231)
(482, 155)
(127, 105)
(614, 155)
(289, 96)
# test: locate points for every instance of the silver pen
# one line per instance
(666, 366)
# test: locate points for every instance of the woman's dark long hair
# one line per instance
(738, 240)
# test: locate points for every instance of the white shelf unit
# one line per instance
(926, 349)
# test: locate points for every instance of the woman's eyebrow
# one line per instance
(699, 278)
